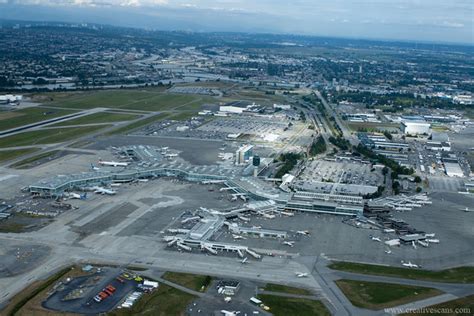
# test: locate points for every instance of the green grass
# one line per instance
(165, 301)
(285, 306)
(370, 126)
(101, 117)
(375, 295)
(28, 161)
(182, 116)
(286, 289)
(451, 308)
(47, 136)
(138, 124)
(12, 119)
(12, 154)
(9, 227)
(194, 282)
(454, 275)
(150, 99)
(14, 309)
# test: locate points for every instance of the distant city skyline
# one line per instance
(412, 20)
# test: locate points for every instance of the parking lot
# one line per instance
(213, 303)
(76, 296)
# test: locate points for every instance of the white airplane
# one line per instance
(113, 163)
(266, 215)
(289, 243)
(423, 243)
(287, 213)
(375, 239)
(212, 181)
(301, 275)
(94, 168)
(238, 237)
(433, 241)
(303, 232)
(410, 265)
(171, 155)
(73, 195)
(229, 313)
(164, 148)
(115, 184)
(244, 260)
(243, 218)
(143, 180)
(467, 210)
(388, 251)
(100, 190)
(413, 244)
(256, 227)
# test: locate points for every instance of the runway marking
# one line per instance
(9, 176)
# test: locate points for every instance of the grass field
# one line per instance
(454, 275)
(375, 295)
(138, 124)
(12, 154)
(150, 99)
(460, 306)
(191, 281)
(101, 117)
(28, 301)
(9, 227)
(286, 289)
(163, 302)
(47, 136)
(369, 126)
(12, 119)
(284, 306)
(25, 163)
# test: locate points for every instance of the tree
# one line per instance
(417, 179)
(388, 135)
(418, 189)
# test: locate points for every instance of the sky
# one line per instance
(414, 20)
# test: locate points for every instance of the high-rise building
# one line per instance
(243, 154)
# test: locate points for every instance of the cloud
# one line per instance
(436, 20)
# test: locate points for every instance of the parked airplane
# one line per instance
(113, 163)
(171, 155)
(289, 243)
(73, 195)
(423, 243)
(243, 218)
(413, 244)
(410, 265)
(266, 215)
(229, 313)
(375, 239)
(238, 237)
(301, 275)
(100, 190)
(388, 251)
(244, 260)
(94, 167)
(303, 232)
(287, 213)
(467, 210)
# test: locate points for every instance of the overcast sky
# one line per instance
(419, 20)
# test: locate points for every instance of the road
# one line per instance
(345, 131)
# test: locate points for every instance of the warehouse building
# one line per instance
(415, 127)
